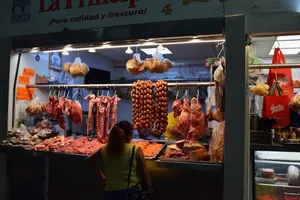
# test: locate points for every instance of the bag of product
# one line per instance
(136, 65)
(34, 107)
(277, 106)
(260, 89)
(283, 75)
(77, 68)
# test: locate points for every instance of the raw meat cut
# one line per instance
(219, 77)
(82, 146)
(114, 110)
(76, 112)
(53, 144)
(106, 119)
(216, 148)
(183, 124)
(92, 103)
(177, 108)
(67, 109)
(199, 155)
(198, 126)
(100, 117)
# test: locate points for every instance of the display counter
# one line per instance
(73, 179)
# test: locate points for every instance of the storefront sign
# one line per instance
(28, 72)
(44, 16)
(24, 93)
(24, 79)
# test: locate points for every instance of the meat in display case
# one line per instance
(276, 175)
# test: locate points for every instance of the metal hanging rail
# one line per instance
(269, 66)
(116, 85)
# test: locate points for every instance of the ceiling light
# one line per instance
(160, 47)
(289, 37)
(195, 37)
(287, 51)
(287, 44)
(35, 50)
(193, 41)
(151, 51)
(129, 51)
(65, 53)
(92, 50)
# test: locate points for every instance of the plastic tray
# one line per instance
(152, 141)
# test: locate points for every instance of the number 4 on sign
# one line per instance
(167, 9)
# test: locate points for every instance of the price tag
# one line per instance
(28, 72)
(24, 93)
(24, 79)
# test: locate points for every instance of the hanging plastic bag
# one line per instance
(295, 104)
(277, 107)
(77, 68)
(34, 107)
(21, 115)
(160, 64)
(136, 65)
(260, 88)
(283, 75)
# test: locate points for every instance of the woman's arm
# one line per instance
(143, 170)
(96, 162)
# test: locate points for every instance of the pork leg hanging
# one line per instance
(100, 117)
(92, 103)
(107, 115)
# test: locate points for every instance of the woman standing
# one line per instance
(113, 162)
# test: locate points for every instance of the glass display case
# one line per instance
(276, 175)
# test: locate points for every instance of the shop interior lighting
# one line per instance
(65, 53)
(35, 50)
(160, 47)
(107, 46)
(92, 50)
(151, 51)
(289, 45)
(129, 51)
(288, 37)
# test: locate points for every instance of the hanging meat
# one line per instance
(100, 117)
(136, 114)
(216, 148)
(106, 116)
(219, 77)
(183, 124)
(198, 123)
(76, 110)
(92, 103)
(161, 111)
(143, 105)
(177, 107)
(114, 110)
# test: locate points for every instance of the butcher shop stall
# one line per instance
(66, 95)
(274, 77)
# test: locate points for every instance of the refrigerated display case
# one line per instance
(276, 173)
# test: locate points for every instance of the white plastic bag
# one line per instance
(77, 68)
(34, 107)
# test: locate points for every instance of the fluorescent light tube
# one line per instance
(289, 37)
(287, 51)
(151, 51)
